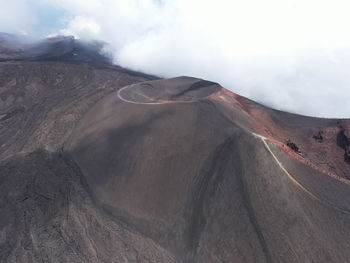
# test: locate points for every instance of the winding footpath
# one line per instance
(296, 182)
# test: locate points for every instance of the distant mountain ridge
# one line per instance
(68, 48)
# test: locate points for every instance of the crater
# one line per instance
(181, 89)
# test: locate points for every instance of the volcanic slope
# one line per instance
(102, 164)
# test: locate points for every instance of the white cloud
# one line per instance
(16, 17)
(82, 27)
(293, 55)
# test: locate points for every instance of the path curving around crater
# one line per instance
(175, 90)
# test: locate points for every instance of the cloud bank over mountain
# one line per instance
(291, 55)
(15, 16)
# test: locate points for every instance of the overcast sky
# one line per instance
(292, 55)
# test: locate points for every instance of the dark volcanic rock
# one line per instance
(318, 137)
(101, 164)
(293, 146)
(343, 140)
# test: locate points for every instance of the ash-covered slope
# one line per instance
(100, 164)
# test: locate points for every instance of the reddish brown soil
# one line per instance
(324, 155)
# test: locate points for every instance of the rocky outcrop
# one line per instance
(343, 141)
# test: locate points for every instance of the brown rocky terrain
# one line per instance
(102, 164)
